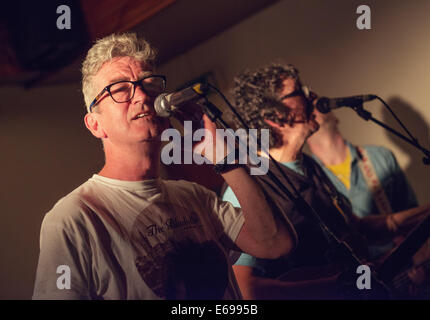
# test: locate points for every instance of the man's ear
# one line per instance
(92, 123)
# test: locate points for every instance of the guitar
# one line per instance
(390, 280)
(395, 268)
(404, 286)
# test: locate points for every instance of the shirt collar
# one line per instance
(353, 151)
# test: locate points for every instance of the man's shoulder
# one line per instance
(381, 155)
(377, 149)
(71, 207)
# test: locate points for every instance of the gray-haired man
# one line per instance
(127, 234)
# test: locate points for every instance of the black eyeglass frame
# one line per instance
(134, 83)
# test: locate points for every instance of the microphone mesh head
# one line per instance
(323, 105)
(162, 106)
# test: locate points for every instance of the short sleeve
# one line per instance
(402, 186)
(230, 197)
(392, 178)
(228, 220)
(253, 262)
(244, 259)
(64, 259)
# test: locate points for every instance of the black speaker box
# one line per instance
(38, 42)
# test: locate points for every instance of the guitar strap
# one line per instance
(373, 182)
(351, 238)
(331, 192)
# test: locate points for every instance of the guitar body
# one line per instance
(343, 285)
(394, 273)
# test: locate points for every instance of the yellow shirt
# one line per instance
(343, 170)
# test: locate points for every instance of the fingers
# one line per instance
(208, 124)
(417, 275)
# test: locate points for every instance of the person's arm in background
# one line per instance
(379, 227)
(406, 212)
(404, 198)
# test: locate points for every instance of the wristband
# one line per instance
(223, 166)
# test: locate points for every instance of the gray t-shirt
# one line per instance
(152, 239)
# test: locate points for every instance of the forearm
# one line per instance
(258, 214)
(407, 219)
(382, 226)
(260, 235)
(264, 233)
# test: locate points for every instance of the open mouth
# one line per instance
(142, 115)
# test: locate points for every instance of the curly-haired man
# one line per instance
(273, 97)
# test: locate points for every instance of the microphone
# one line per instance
(325, 105)
(166, 103)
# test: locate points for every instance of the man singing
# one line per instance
(127, 234)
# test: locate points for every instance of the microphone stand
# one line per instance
(366, 115)
(302, 206)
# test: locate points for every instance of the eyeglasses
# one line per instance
(297, 115)
(304, 91)
(123, 91)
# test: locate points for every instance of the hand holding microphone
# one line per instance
(181, 102)
(183, 105)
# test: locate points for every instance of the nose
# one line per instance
(142, 100)
(140, 95)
